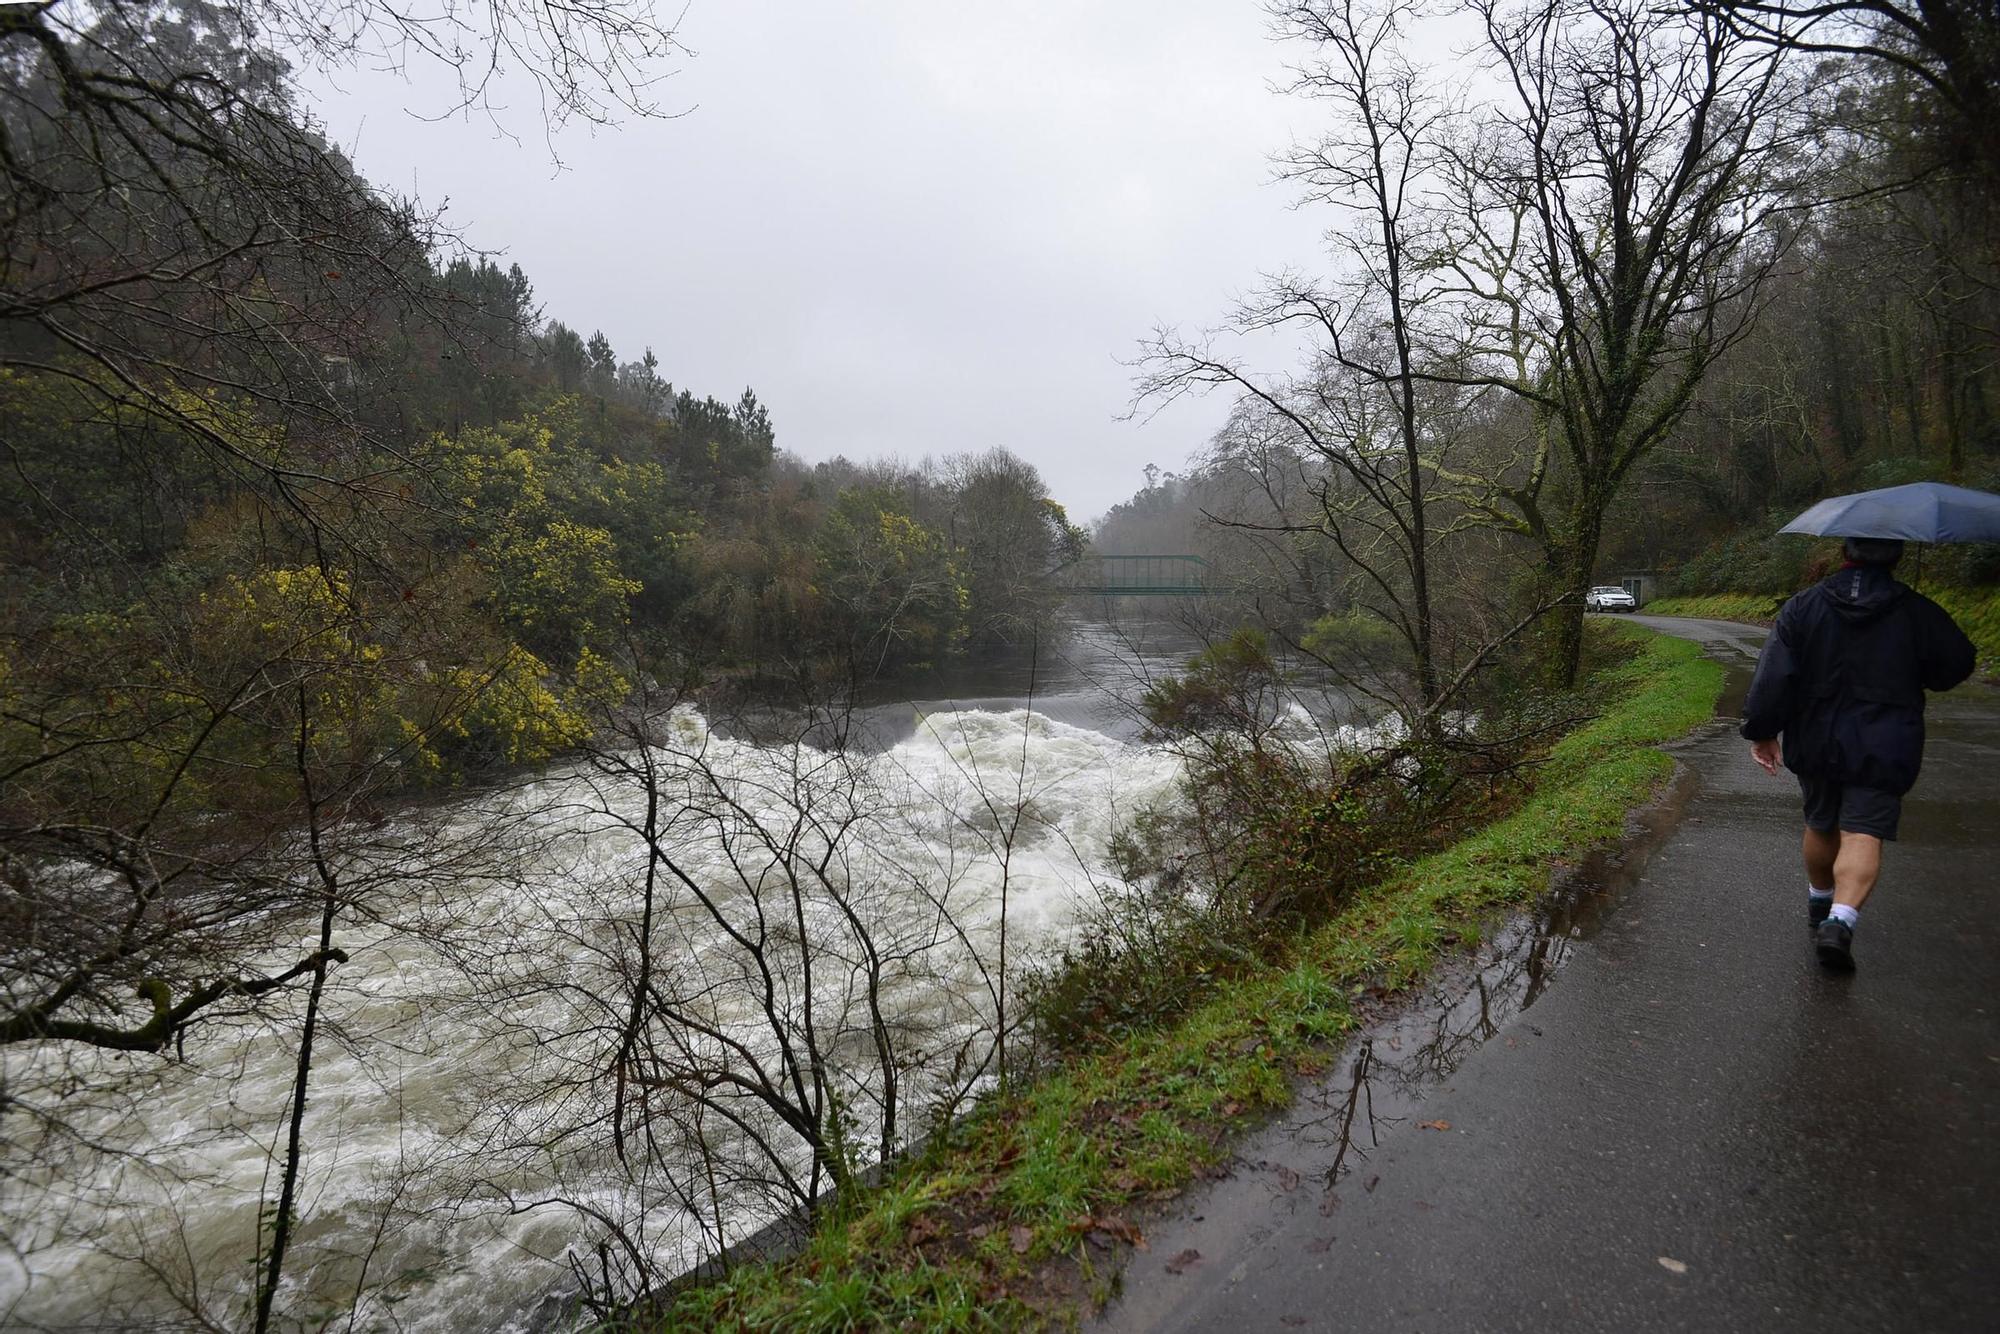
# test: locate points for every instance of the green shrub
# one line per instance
(1356, 635)
(1977, 611)
(1266, 838)
(1758, 560)
(1231, 686)
(1147, 950)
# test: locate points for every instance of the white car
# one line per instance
(1609, 598)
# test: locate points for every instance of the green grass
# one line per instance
(1977, 611)
(961, 1238)
(1756, 608)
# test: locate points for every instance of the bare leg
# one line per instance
(1820, 851)
(1855, 867)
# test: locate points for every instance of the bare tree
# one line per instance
(1950, 47)
(1370, 410)
(1366, 449)
(756, 1008)
(196, 904)
(1620, 216)
(184, 256)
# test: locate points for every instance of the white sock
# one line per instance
(1842, 913)
(1821, 894)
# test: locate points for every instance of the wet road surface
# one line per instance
(1691, 1127)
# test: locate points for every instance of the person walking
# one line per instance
(1838, 698)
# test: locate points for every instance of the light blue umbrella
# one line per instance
(1919, 512)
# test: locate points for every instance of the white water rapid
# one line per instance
(456, 1143)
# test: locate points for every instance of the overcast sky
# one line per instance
(913, 228)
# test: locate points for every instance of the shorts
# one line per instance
(1831, 805)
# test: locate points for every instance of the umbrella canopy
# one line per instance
(1919, 512)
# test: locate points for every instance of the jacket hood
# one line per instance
(1861, 593)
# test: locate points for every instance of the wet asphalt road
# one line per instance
(1691, 1128)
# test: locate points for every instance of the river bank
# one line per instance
(1020, 1215)
(474, 1017)
(457, 1137)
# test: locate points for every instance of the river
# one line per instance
(456, 1138)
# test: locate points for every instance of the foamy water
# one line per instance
(454, 1124)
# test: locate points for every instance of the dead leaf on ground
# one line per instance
(1434, 1125)
(1231, 1108)
(1320, 1245)
(1673, 1266)
(1020, 1237)
(1371, 1184)
(982, 1230)
(1185, 1261)
(1288, 1180)
(1116, 1227)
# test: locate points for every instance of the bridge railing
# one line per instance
(1139, 576)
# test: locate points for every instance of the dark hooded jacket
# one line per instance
(1843, 677)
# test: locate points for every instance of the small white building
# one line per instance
(1643, 587)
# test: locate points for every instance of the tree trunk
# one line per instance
(1573, 562)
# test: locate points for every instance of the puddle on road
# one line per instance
(1418, 1040)
(1406, 1049)
(1408, 1046)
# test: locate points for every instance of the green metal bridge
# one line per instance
(1138, 576)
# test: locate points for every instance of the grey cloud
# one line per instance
(914, 228)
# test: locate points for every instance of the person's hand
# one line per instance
(1767, 754)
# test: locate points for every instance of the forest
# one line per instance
(347, 594)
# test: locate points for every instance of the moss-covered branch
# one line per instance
(168, 1018)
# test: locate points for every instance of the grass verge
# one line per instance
(1977, 611)
(1004, 1222)
(1755, 608)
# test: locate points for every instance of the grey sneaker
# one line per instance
(1816, 911)
(1835, 941)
